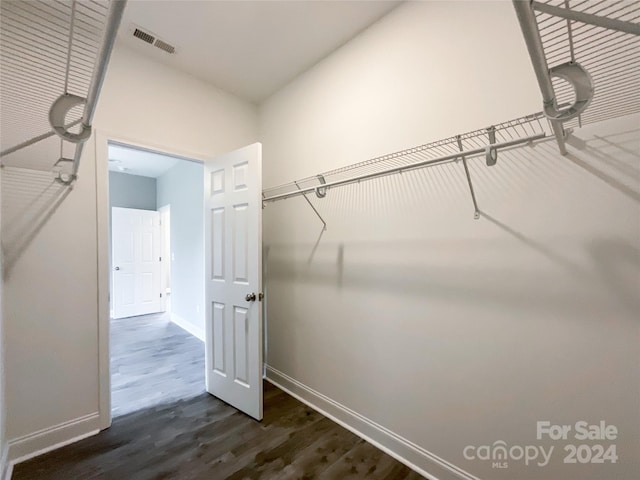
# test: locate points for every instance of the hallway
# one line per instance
(153, 362)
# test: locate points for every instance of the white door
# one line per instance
(135, 243)
(233, 278)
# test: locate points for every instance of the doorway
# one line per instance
(237, 177)
(157, 248)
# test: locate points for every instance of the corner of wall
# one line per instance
(3, 407)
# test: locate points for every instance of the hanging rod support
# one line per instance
(476, 210)
(405, 168)
(324, 224)
(114, 17)
(529, 27)
(597, 20)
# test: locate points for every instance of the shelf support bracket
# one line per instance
(476, 211)
(529, 27)
(324, 224)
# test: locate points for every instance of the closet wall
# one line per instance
(444, 330)
(51, 309)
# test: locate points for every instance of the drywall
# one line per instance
(132, 191)
(425, 329)
(182, 187)
(55, 315)
(3, 405)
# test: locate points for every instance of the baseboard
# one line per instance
(188, 326)
(52, 438)
(415, 457)
(6, 469)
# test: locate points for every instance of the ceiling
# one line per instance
(139, 162)
(249, 48)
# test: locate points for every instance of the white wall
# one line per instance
(51, 292)
(182, 187)
(445, 330)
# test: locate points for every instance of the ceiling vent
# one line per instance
(144, 36)
(164, 46)
(151, 39)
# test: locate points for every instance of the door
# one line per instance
(135, 243)
(233, 278)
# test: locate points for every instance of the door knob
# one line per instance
(250, 297)
(117, 268)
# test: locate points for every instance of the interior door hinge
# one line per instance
(160, 295)
(160, 259)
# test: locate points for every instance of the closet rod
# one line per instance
(404, 168)
(114, 18)
(529, 27)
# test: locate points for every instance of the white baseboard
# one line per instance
(6, 469)
(188, 326)
(415, 457)
(52, 438)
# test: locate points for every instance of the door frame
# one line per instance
(166, 259)
(102, 141)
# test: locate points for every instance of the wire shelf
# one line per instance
(48, 48)
(473, 144)
(611, 57)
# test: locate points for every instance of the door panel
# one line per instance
(136, 277)
(233, 249)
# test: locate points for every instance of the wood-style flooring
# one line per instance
(153, 361)
(200, 437)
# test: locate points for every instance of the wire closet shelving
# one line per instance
(585, 53)
(484, 143)
(53, 58)
(586, 56)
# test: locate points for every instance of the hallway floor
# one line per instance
(153, 362)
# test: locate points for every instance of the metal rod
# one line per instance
(111, 29)
(70, 47)
(313, 208)
(570, 33)
(529, 28)
(404, 168)
(599, 21)
(476, 210)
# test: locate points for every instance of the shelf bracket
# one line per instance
(321, 192)
(324, 224)
(476, 211)
(491, 152)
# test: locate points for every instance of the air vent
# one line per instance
(144, 36)
(165, 46)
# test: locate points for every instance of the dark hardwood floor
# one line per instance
(203, 438)
(199, 437)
